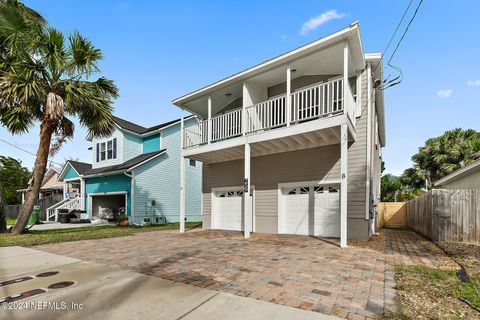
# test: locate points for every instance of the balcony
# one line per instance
(324, 100)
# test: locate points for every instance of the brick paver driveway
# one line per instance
(298, 271)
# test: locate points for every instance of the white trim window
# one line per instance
(107, 150)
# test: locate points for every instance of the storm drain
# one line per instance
(47, 274)
(23, 295)
(60, 285)
(17, 280)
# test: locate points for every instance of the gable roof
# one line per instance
(460, 173)
(135, 128)
(127, 165)
(80, 167)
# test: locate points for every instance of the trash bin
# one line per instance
(64, 217)
(34, 216)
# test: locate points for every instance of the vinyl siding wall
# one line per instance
(132, 146)
(71, 174)
(151, 143)
(112, 183)
(159, 179)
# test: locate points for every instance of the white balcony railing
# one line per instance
(266, 115)
(325, 99)
(227, 125)
(318, 101)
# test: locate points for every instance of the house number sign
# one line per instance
(245, 185)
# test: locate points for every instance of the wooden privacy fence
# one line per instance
(446, 215)
(11, 211)
(393, 214)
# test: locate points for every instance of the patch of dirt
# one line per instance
(427, 293)
(377, 242)
(467, 254)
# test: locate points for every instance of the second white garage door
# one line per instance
(310, 210)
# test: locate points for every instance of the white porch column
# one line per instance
(245, 104)
(82, 194)
(182, 180)
(209, 124)
(23, 197)
(344, 185)
(346, 106)
(247, 199)
(288, 100)
(65, 189)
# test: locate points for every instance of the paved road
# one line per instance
(101, 292)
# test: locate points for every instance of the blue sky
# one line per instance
(157, 51)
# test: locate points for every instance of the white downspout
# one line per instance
(369, 142)
(132, 195)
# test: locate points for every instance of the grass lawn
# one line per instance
(63, 235)
(11, 221)
(437, 293)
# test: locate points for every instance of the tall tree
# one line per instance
(45, 77)
(441, 156)
(13, 176)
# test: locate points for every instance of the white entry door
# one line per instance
(310, 210)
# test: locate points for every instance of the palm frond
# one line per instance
(84, 56)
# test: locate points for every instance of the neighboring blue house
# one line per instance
(138, 169)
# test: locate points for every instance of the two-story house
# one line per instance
(136, 169)
(292, 145)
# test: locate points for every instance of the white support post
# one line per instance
(65, 189)
(346, 105)
(209, 123)
(344, 184)
(82, 194)
(182, 182)
(288, 100)
(247, 199)
(244, 110)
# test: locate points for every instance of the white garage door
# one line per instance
(311, 210)
(228, 210)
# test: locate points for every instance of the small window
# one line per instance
(292, 191)
(102, 151)
(106, 150)
(109, 149)
(318, 189)
(332, 190)
(304, 190)
(192, 163)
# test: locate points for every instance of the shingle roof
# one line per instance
(80, 167)
(130, 126)
(125, 165)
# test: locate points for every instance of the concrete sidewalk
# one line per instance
(100, 292)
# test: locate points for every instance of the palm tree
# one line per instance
(45, 77)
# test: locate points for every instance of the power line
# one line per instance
(393, 35)
(25, 150)
(392, 82)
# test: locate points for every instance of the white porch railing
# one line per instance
(69, 204)
(227, 125)
(195, 134)
(266, 115)
(318, 101)
(314, 102)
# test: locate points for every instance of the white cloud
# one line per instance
(474, 83)
(314, 23)
(447, 93)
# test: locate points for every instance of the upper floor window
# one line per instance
(193, 163)
(107, 150)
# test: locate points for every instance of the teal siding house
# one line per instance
(136, 170)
